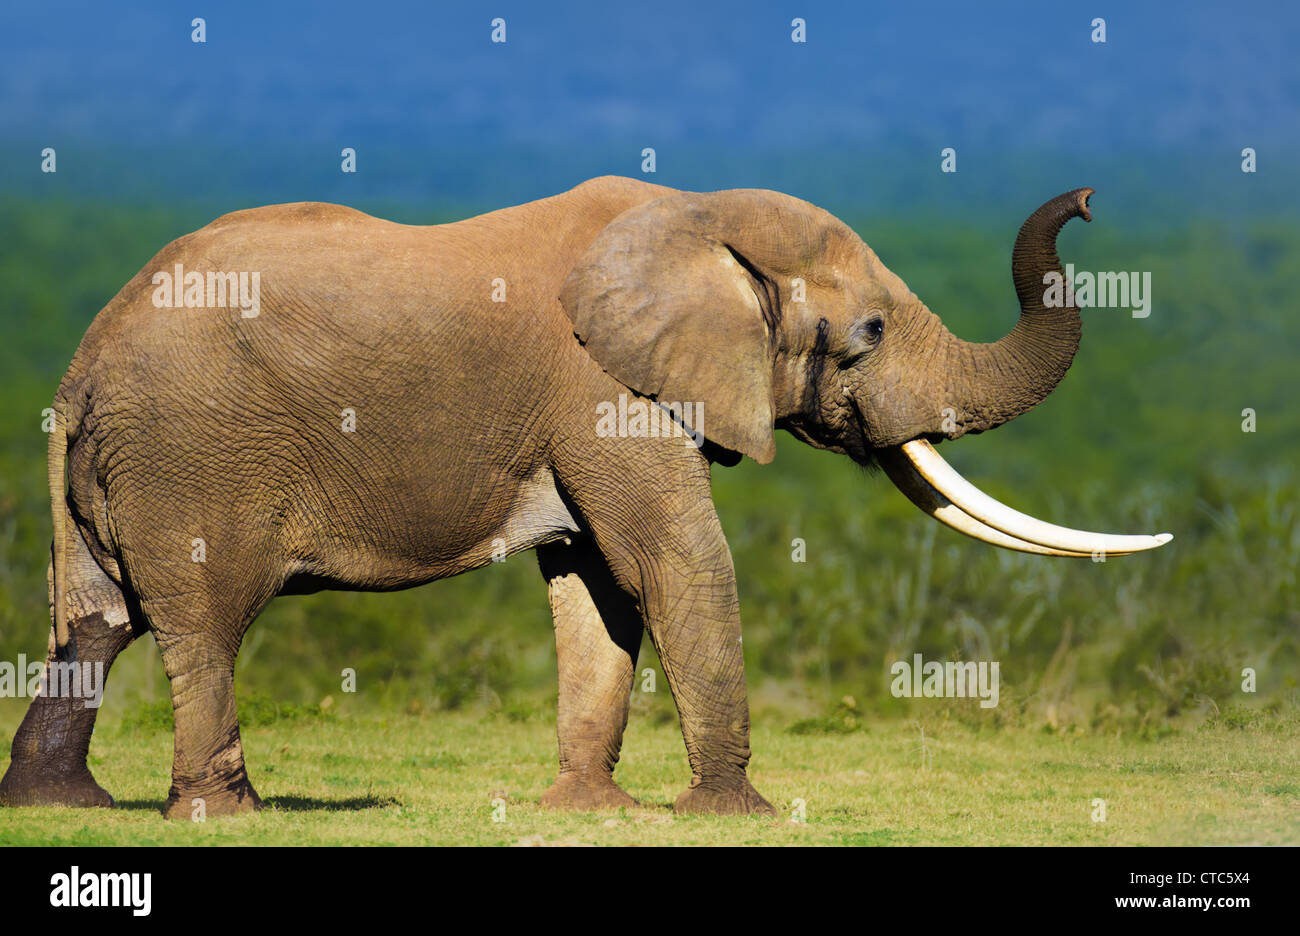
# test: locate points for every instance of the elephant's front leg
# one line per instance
(597, 639)
(663, 541)
(693, 617)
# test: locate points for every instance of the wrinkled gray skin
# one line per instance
(476, 420)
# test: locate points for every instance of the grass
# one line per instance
(370, 778)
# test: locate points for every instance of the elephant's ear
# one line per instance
(668, 305)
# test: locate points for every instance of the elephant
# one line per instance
(386, 405)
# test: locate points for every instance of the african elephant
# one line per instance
(209, 468)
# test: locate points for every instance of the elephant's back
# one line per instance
(305, 287)
(331, 321)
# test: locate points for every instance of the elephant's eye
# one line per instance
(863, 339)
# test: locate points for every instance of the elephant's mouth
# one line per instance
(856, 444)
(936, 488)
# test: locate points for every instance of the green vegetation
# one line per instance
(1135, 661)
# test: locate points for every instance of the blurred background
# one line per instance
(155, 135)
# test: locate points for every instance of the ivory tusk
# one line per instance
(908, 480)
(920, 456)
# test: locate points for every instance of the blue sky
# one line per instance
(584, 84)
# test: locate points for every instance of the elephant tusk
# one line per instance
(920, 457)
(908, 480)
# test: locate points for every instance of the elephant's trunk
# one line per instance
(989, 384)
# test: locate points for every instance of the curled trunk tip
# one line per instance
(1082, 195)
(989, 384)
(1035, 251)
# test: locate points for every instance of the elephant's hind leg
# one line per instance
(48, 763)
(597, 639)
(199, 610)
(199, 636)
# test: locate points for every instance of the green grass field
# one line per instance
(402, 779)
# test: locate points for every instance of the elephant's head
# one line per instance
(775, 314)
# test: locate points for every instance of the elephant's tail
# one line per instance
(57, 459)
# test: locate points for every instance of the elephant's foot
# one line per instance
(736, 797)
(51, 786)
(230, 799)
(585, 792)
